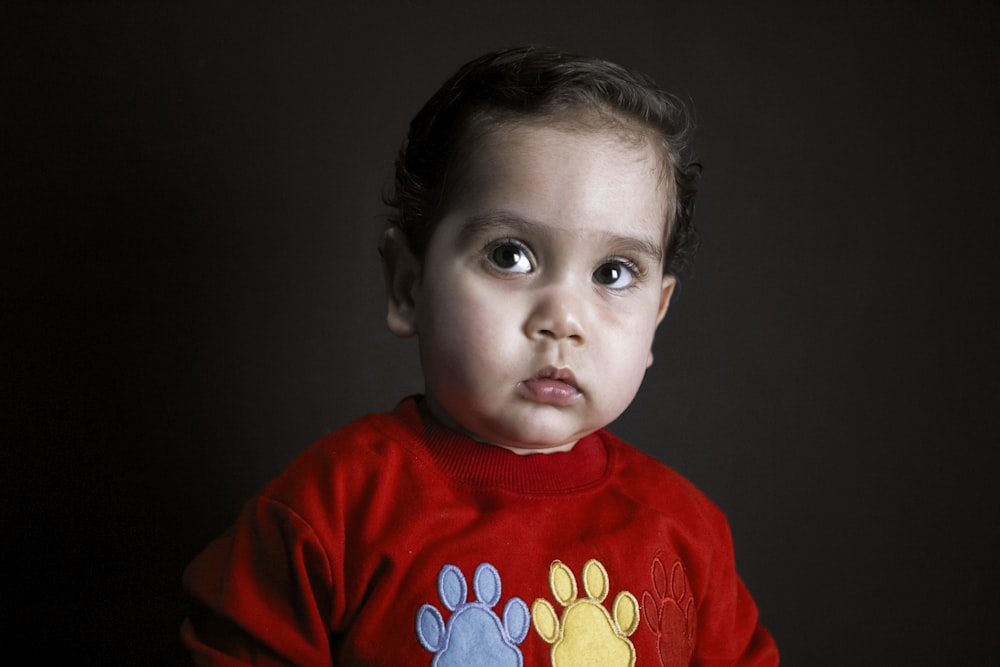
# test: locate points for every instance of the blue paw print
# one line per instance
(474, 636)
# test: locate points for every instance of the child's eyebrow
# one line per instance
(493, 222)
(509, 223)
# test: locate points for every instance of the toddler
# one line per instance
(542, 211)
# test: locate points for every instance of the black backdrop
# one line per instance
(191, 294)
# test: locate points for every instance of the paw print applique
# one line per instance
(586, 635)
(473, 636)
(670, 613)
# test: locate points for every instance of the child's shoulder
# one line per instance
(651, 482)
(347, 457)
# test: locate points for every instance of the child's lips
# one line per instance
(551, 385)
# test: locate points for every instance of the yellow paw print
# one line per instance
(587, 635)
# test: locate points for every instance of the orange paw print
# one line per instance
(670, 614)
(586, 635)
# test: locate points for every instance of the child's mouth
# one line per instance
(551, 385)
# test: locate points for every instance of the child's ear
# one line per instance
(666, 291)
(402, 276)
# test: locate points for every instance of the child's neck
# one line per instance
(524, 451)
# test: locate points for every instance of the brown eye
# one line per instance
(614, 274)
(509, 257)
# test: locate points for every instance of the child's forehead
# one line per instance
(493, 134)
(594, 121)
(614, 150)
(585, 179)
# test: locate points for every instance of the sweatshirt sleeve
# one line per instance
(729, 632)
(261, 593)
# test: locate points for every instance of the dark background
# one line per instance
(191, 294)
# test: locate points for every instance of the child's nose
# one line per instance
(557, 314)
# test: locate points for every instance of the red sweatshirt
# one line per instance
(395, 541)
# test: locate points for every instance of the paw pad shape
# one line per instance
(670, 613)
(587, 635)
(473, 636)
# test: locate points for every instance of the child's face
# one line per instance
(542, 286)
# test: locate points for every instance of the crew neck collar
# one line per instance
(479, 464)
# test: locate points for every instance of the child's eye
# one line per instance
(616, 274)
(510, 257)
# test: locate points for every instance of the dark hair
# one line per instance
(529, 82)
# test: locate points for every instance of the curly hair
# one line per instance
(533, 82)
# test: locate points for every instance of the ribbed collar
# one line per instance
(486, 466)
